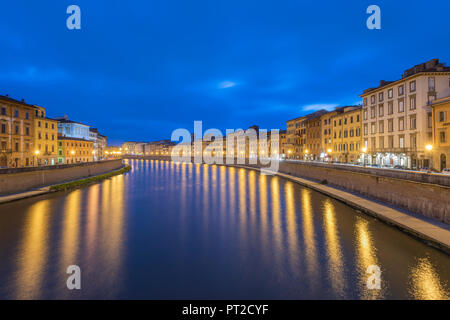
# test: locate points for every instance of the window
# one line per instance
(429, 120)
(441, 116)
(431, 84)
(442, 136)
(358, 132)
(413, 141)
(351, 119)
(381, 110)
(381, 126)
(16, 129)
(390, 93)
(366, 129)
(27, 115)
(365, 100)
(413, 123)
(365, 114)
(412, 86)
(372, 99)
(380, 96)
(373, 128)
(391, 142)
(16, 147)
(46, 125)
(381, 142)
(400, 90)
(390, 125)
(16, 113)
(357, 118)
(372, 112)
(3, 111)
(3, 128)
(373, 143)
(39, 124)
(401, 124)
(412, 103)
(401, 106)
(390, 107)
(27, 131)
(401, 141)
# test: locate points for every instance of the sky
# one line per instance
(137, 70)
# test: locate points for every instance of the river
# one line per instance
(167, 230)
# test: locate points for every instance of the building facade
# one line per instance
(45, 138)
(74, 150)
(441, 134)
(72, 129)
(296, 137)
(346, 135)
(313, 147)
(16, 133)
(397, 117)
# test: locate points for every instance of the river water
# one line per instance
(185, 231)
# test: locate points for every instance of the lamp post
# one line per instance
(36, 157)
(364, 150)
(306, 154)
(429, 147)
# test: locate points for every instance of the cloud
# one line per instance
(227, 84)
(320, 106)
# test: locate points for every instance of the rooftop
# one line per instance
(432, 65)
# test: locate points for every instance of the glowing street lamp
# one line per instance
(364, 150)
(429, 147)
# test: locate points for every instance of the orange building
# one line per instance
(74, 150)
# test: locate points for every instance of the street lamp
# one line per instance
(364, 150)
(37, 154)
(429, 147)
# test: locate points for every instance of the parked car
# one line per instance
(400, 167)
(446, 171)
(375, 165)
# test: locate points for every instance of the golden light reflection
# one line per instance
(292, 229)
(309, 237)
(425, 282)
(92, 219)
(242, 174)
(112, 229)
(34, 252)
(366, 256)
(334, 253)
(70, 230)
(263, 209)
(276, 217)
(252, 193)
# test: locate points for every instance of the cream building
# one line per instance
(397, 117)
(441, 134)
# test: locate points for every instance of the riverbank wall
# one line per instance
(421, 193)
(23, 179)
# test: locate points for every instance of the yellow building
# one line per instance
(295, 138)
(16, 133)
(45, 146)
(441, 134)
(74, 150)
(346, 135)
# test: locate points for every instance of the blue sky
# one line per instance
(139, 69)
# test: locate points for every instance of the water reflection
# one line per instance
(34, 252)
(169, 230)
(336, 270)
(426, 283)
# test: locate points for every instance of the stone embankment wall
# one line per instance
(22, 179)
